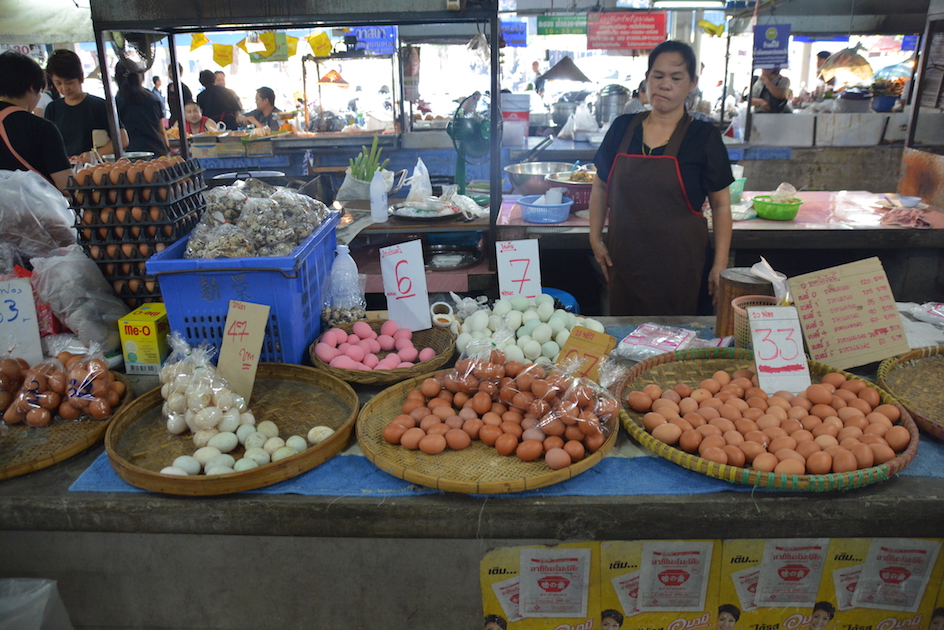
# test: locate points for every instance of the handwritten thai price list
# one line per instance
(404, 283)
(778, 348)
(19, 327)
(519, 268)
(848, 314)
(243, 335)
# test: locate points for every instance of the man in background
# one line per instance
(172, 92)
(156, 90)
(219, 78)
(265, 113)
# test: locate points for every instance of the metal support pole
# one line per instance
(177, 103)
(113, 129)
(495, 166)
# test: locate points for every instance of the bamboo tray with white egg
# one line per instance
(295, 397)
(691, 367)
(25, 449)
(477, 469)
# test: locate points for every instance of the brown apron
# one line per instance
(656, 240)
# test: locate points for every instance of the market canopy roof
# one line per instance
(44, 22)
(565, 69)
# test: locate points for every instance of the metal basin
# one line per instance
(529, 178)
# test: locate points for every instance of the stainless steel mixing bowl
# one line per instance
(528, 178)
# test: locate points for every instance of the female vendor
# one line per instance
(654, 170)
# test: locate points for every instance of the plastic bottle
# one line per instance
(378, 198)
(344, 281)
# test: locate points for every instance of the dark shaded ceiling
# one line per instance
(839, 17)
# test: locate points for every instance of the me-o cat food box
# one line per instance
(144, 338)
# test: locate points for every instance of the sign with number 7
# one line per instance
(778, 349)
(519, 268)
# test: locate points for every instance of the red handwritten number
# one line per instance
(404, 284)
(589, 361)
(237, 330)
(767, 340)
(524, 276)
(789, 337)
(782, 353)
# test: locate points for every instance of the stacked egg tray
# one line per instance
(120, 236)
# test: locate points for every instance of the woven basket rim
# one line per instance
(934, 428)
(748, 476)
(386, 377)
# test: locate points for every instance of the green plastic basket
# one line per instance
(767, 209)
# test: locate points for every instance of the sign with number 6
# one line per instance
(778, 348)
(404, 282)
(519, 268)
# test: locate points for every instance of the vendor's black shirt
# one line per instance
(172, 94)
(36, 140)
(144, 122)
(270, 121)
(702, 157)
(76, 122)
(220, 104)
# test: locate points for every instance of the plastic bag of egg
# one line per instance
(836, 426)
(525, 329)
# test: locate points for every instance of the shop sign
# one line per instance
(515, 34)
(770, 45)
(378, 40)
(626, 30)
(909, 43)
(30, 50)
(562, 24)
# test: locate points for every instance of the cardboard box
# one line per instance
(230, 146)
(203, 150)
(260, 148)
(144, 338)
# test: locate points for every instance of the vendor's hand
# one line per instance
(83, 158)
(602, 255)
(714, 282)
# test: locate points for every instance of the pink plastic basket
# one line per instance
(742, 326)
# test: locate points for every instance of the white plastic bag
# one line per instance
(584, 120)
(34, 216)
(352, 188)
(420, 185)
(32, 604)
(567, 131)
(650, 340)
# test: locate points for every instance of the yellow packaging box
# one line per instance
(144, 338)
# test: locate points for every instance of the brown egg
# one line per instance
(714, 454)
(898, 438)
(805, 449)
(711, 385)
(882, 453)
(38, 417)
(789, 467)
(557, 458)
(506, 443)
(865, 458)
(844, 461)
(667, 433)
(411, 438)
(488, 434)
(651, 420)
(457, 439)
(751, 450)
(819, 395)
(889, 411)
(871, 396)
(689, 441)
(67, 411)
(735, 455)
(432, 444)
(393, 432)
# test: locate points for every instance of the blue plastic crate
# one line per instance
(197, 292)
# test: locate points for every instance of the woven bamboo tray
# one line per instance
(478, 469)
(296, 398)
(439, 339)
(25, 449)
(692, 366)
(915, 379)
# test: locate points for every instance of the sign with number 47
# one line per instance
(778, 349)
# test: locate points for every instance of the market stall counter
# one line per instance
(346, 520)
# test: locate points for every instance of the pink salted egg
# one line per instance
(342, 349)
(343, 362)
(362, 330)
(339, 335)
(328, 339)
(402, 343)
(408, 354)
(386, 342)
(353, 339)
(371, 361)
(403, 332)
(373, 345)
(356, 353)
(427, 354)
(388, 328)
(405, 364)
(365, 344)
(326, 352)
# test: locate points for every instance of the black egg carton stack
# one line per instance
(167, 186)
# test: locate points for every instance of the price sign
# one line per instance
(242, 343)
(404, 282)
(778, 348)
(519, 268)
(590, 347)
(19, 328)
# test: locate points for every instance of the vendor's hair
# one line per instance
(615, 615)
(496, 619)
(65, 64)
(267, 93)
(675, 46)
(938, 612)
(731, 609)
(19, 73)
(129, 84)
(826, 607)
(207, 78)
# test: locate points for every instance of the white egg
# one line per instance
(478, 346)
(519, 303)
(176, 423)
(202, 437)
(208, 417)
(503, 337)
(594, 325)
(221, 460)
(245, 463)
(514, 353)
(528, 315)
(462, 341)
(542, 334)
(230, 421)
(495, 322)
(478, 320)
(501, 307)
(255, 440)
(296, 443)
(550, 349)
(177, 403)
(188, 464)
(532, 350)
(513, 319)
(205, 454)
(544, 298)
(319, 434)
(562, 337)
(198, 397)
(465, 327)
(282, 453)
(240, 403)
(523, 340)
(244, 431)
(579, 321)
(223, 399)
(557, 323)
(273, 444)
(173, 470)
(246, 417)
(527, 329)
(165, 410)
(219, 470)
(188, 418)
(224, 441)
(545, 311)
(257, 455)
(268, 428)
(571, 320)
(478, 334)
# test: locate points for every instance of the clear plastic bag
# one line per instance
(34, 216)
(91, 388)
(12, 373)
(255, 188)
(40, 395)
(650, 340)
(227, 200)
(345, 300)
(420, 185)
(32, 603)
(226, 241)
(79, 296)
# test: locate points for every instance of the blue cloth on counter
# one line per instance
(356, 476)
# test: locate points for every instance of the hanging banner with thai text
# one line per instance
(562, 24)
(770, 45)
(626, 30)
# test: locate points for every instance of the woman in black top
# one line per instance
(141, 112)
(217, 102)
(28, 142)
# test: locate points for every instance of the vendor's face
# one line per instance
(69, 88)
(726, 621)
(260, 101)
(669, 82)
(609, 624)
(937, 623)
(819, 620)
(220, 79)
(193, 113)
(491, 625)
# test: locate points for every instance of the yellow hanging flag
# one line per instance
(241, 44)
(292, 45)
(222, 54)
(268, 39)
(320, 44)
(197, 40)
